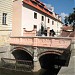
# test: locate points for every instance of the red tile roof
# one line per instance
(67, 28)
(67, 31)
(41, 7)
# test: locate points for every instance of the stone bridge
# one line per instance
(49, 51)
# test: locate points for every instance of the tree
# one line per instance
(66, 20)
(71, 19)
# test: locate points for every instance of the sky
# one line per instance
(61, 7)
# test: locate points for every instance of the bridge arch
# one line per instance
(21, 53)
(49, 59)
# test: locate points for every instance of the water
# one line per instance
(40, 72)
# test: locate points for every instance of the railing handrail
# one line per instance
(18, 65)
(16, 60)
(54, 42)
(48, 37)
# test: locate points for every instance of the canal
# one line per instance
(70, 70)
(40, 72)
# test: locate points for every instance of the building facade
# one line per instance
(5, 20)
(30, 14)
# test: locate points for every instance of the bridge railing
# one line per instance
(55, 42)
(18, 65)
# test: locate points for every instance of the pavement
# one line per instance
(70, 70)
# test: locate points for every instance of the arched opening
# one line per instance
(22, 55)
(23, 58)
(48, 61)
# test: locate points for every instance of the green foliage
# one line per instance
(71, 18)
(66, 20)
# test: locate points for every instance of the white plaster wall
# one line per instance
(28, 20)
(47, 24)
(6, 7)
(5, 30)
(17, 18)
(59, 26)
(56, 27)
(53, 26)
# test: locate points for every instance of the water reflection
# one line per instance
(47, 72)
(40, 72)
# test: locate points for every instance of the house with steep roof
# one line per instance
(31, 14)
(27, 14)
(68, 31)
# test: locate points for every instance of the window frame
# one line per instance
(35, 15)
(4, 19)
(35, 26)
(52, 22)
(48, 20)
(42, 18)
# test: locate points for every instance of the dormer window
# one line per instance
(38, 1)
(34, 2)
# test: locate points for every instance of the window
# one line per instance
(42, 18)
(4, 18)
(52, 22)
(35, 26)
(48, 20)
(35, 15)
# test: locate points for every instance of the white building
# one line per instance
(5, 20)
(32, 14)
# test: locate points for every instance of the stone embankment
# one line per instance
(70, 70)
